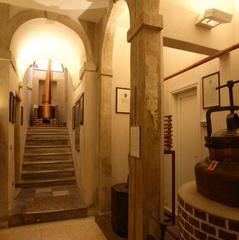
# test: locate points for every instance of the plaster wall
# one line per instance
(175, 60)
(42, 38)
(120, 122)
(13, 86)
(4, 131)
(85, 160)
(21, 129)
(121, 79)
(179, 22)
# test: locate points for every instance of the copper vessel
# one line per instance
(46, 110)
(217, 177)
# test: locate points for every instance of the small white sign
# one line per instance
(135, 141)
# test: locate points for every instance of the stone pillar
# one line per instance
(145, 194)
(104, 148)
(89, 130)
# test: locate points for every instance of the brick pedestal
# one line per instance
(204, 219)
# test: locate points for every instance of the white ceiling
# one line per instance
(91, 10)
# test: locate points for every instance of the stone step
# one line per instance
(41, 216)
(47, 174)
(47, 137)
(47, 128)
(47, 141)
(48, 157)
(44, 204)
(46, 183)
(46, 146)
(47, 165)
(47, 149)
(65, 133)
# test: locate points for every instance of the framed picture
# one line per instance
(73, 117)
(14, 109)
(77, 115)
(81, 102)
(11, 106)
(22, 113)
(77, 139)
(210, 95)
(122, 100)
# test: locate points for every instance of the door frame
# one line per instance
(174, 108)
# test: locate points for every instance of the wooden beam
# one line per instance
(204, 60)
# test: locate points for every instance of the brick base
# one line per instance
(195, 223)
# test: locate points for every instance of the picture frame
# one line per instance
(11, 106)
(73, 117)
(22, 114)
(210, 95)
(122, 100)
(77, 139)
(77, 115)
(81, 101)
(14, 114)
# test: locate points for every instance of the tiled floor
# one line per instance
(104, 222)
(77, 229)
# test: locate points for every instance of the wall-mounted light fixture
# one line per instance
(212, 18)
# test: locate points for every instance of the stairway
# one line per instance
(47, 158)
(48, 189)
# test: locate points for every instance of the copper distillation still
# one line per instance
(217, 177)
(46, 111)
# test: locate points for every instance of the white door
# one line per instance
(187, 131)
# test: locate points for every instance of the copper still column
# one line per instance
(46, 110)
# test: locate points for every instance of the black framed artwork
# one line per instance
(12, 107)
(14, 110)
(22, 114)
(77, 114)
(77, 139)
(73, 117)
(122, 100)
(81, 101)
(210, 95)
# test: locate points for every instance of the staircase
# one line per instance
(47, 159)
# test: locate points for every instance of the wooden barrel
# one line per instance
(119, 208)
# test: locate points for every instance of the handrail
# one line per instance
(204, 60)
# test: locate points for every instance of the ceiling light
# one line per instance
(213, 17)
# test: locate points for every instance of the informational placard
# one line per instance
(135, 141)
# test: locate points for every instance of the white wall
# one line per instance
(46, 39)
(179, 18)
(85, 160)
(121, 78)
(175, 60)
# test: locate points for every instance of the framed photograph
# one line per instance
(22, 113)
(14, 109)
(77, 139)
(122, 100)
(81, 102)
(11, 106)
(210, 95)
(77, 115)
(73, 117)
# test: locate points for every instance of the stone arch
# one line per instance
(105, 119)
(108, 38)
(27, 15)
